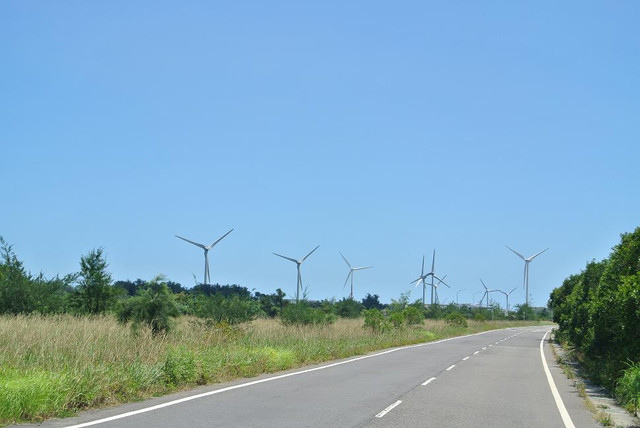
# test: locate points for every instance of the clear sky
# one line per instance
(382, 130)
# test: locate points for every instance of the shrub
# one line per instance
(396, 318)
(413, 315)
(180, 366)
(374, 320)
(231, 310)
(303, 314)
(348, 308)
(456, 319)
(153, 306)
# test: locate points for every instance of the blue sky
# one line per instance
(383, 130)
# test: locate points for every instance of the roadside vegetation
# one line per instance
(598, 314)
(84, 341)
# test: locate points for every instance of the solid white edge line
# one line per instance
(256, 382)
(388, 409)
(465, 358)
(568, 423)
(428, 381)
(450, 367)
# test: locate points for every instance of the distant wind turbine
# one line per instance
(351, 271)
(298, 263)
(527, 260)
(440, 281)
(486, 293)
(423, 276)
(507, 296)
(206, 248)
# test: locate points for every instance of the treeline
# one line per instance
(155, 302)
(598, 313)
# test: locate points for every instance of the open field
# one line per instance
(53, 366)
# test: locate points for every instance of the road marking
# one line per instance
(484, 348)
(568, 423)
(497, 342)
(477, 352)
(388, 409)
(465, 358)
(428, 381)
(256, 382)
(450, 367)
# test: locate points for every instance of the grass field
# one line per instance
(56, 365)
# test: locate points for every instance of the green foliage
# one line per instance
(180, 366)
(628, 387)
(302, 313)
(396, 318)
(271, 305)
(525, 312)
(231, 310)
(413, 315)
(372, 301)
(153, 306)
(348, 308)
(598, 312)
(94, 293)
(456, 319)
(374, 320)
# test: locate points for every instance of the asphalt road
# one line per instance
(494, 379)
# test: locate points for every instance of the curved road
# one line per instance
(495, 379)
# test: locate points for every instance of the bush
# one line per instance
(231, 310)
(302, 314)
(456, 319)
(153, 306)
(348, 308)
(413, 316)
(374, 320)
(180, 366)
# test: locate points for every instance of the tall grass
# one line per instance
(55, 365)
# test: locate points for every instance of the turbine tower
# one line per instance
(206, 248)
(298, 263)
(351, 271)
(422, 278)
(440, 281)
(507, 296)
(527, 260)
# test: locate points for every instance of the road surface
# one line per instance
(494, 379)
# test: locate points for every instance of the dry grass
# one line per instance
(58, 364)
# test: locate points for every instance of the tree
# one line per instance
(372, 302)
(348, 308)
(14, 283)
(94, 292)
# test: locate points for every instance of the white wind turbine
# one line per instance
(298, 263)
(507, 296)
(206, 248)
(423, 276)
(440, 281)
(527, 260)
(351, 271)
(486, 293)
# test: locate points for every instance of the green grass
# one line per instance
(56, 365)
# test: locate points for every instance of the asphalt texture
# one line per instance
(491, 379)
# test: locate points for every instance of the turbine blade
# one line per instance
(512, 290)
(363, 267)
(422, 272)
(433, 261)
(220, 239)
(197, 244)
(347, 280)
(416, 281)
(517, 253)
(345, 260)
(305, 257)
(441, 281)
(537, 254)
(485, 287)
(285, 257)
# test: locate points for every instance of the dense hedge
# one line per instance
(598, 311)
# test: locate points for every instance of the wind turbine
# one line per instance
(422, 278)
(298, 263)
(206, 248)
(440, 281)
(527, 260)
(351, 271)
(486, 293)
(507, 296)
